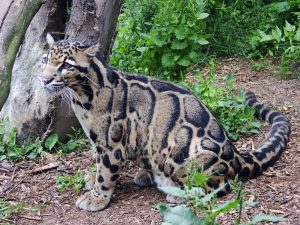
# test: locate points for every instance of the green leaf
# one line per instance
(163, 208)
(142, 49)
(180, 33)
(197, 191)
(75, 181)
(261, 218)
(174, 191)
(297, 35)
(271, 53)
(178, 45)
(225, 207)
(167, 60)
(201, 16)
(199, 178)
(158, 42)
(277, 34)
(185, 61)
(182, 215)
(279, 6)
(69, 147)
(194, 55)
(289, 27)
(229, 80)
(202, 41)
(267, 38)
(264, 36)
(51, 141)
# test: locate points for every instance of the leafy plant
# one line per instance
(75, 181)
(227, 103)
(283, 42)
(9, 209)
(155, 44)
(206, 205)
(76, 140)
(164, 38)
(11, 150)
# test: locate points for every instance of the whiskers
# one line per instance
(67, 98)
(73, 95)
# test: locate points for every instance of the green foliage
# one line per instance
(283, 42)
(51, 141)
(231, 24)
(164, 38)
(275, 33)
(206, 205)
(8, 208)
(161, 37)
(66, 182)
(76, 140)
(10, 150)
(227, 104)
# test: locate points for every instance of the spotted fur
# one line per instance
(156, 124)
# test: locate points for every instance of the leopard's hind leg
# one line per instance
(144, 178)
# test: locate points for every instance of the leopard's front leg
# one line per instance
(109, 163)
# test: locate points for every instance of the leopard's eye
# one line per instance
(66, 66)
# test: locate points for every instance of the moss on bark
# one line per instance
(12, 45)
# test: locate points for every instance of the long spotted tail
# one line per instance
(270, 149)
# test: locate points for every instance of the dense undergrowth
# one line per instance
(11, 150)
(165, 37)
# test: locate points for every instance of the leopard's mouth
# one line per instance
(55, 88)
(52, 85)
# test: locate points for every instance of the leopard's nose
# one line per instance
(46, 81)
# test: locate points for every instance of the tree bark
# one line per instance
(30, 108)
(12, 31)
(94, 21)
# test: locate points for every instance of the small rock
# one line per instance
(6, 165)
(49, 158)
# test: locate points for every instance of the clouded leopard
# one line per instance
(156, 124)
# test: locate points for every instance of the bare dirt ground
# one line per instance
(277, 191)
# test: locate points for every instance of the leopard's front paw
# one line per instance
(90, 202)
(89, 181)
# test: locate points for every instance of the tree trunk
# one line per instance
(12, 31)
(30, 108)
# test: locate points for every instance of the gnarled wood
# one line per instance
(12, 31)
(32, 110)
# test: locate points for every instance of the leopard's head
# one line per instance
(67, 64)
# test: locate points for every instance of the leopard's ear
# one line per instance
(50, 40)
(92, 51)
